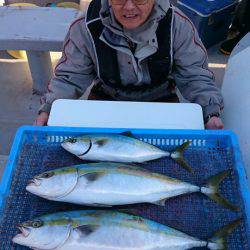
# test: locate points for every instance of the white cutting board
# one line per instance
(116, 114)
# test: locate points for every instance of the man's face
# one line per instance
(130, 15)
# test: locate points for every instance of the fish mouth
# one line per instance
(34, 182)
(23, 237)
(24, 232)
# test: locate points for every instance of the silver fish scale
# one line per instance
(123, 238)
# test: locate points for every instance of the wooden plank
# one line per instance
(42, 3)
(34, 28)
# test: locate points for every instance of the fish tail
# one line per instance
(177, 156)
(220, 237)
(212, 190)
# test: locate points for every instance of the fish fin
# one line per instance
(220, 237)
(213, 184)
(177, 156)
(160, 202)
(128, 134)
(101, 142)
(92, 176)
(87, 229)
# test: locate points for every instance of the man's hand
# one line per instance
(42, 119)
(214, 123)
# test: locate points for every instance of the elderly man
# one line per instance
(134, 50)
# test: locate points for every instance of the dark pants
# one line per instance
(242, 19)
(97, 94)
(247, 17)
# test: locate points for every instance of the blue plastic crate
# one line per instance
(211, 18)
(37, 149)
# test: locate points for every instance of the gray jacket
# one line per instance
(78, 68)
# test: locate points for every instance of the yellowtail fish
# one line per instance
(108, 230)
(109, 184)
(120, 148)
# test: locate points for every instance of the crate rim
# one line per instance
(6, 178)
(24, 128)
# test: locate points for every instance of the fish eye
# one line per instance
(37, 224)
(47, 175)
(72, 140)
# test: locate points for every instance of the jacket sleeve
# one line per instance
(190, 67)
(74, 72)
